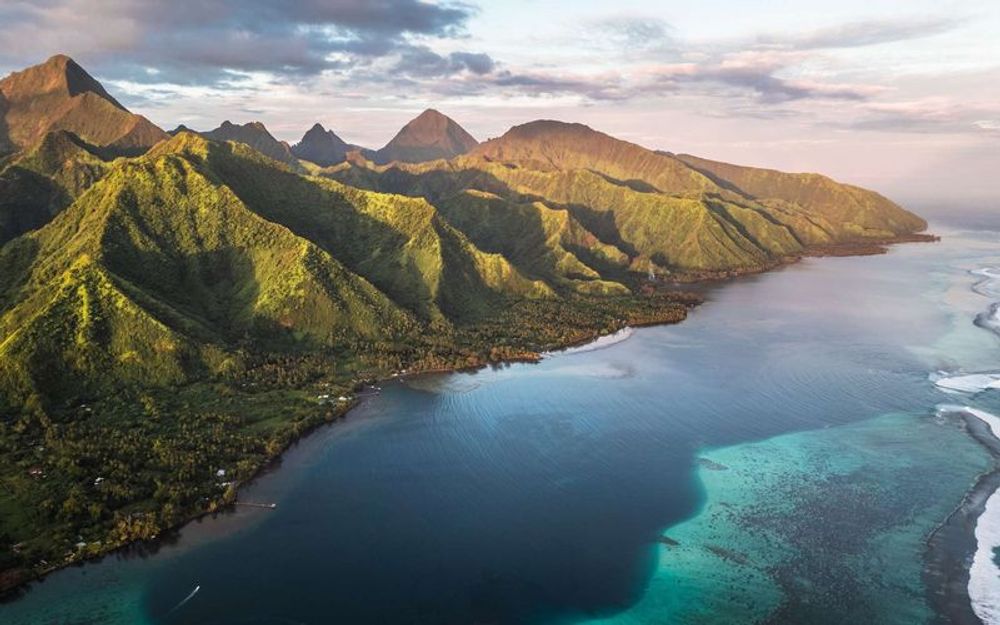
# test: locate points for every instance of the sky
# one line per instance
(902, 96)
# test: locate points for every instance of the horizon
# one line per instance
(906, 102)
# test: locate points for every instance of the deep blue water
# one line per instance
(536, 493)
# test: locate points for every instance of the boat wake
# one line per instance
(603, 342)
(184, 600)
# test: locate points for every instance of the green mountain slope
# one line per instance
(547, 145)
(401, 244)
(164, 256)
(37, 184)
(667, 216)
(843, 211)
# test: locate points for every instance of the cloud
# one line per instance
(198, 42)
(933, 115)
(421, 61)
(270, 58)
(864, 33)
(632, 32)
(756, 73)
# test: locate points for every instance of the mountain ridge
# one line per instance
(255, 135)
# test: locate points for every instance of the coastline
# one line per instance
(10, 593)
(950, 547)
(953, 551)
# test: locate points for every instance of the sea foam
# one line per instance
(984, 574)
(990, 319)
(969, 383)
(989, 285)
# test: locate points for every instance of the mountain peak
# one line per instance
(429, 136)
(321, 146)
(59, 94)
(552, 144)
(256, 135)
(431, 115)
(58, 75)
(59, 60)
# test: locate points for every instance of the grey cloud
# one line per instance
(636, 31)
(864, 33)
(769, 87)
(421, 61)
(197, 42)
(603, 88)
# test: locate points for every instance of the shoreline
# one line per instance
(11, 593)
(952, 550)
(951, 546)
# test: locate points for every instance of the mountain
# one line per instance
(560, 146)
(255, 135)
(170, 260)
(845, 211)
(661, 214)
(35, 185)
(59, 95)
(429, 136)
(321, 146)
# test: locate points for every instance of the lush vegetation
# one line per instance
(673, 216)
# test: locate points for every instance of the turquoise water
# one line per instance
(777, 456)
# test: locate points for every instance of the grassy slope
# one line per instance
(401, 244)
(668, 214)
(848, 211)
(161, 255)
(654, 230)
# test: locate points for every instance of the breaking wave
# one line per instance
(984, 591)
